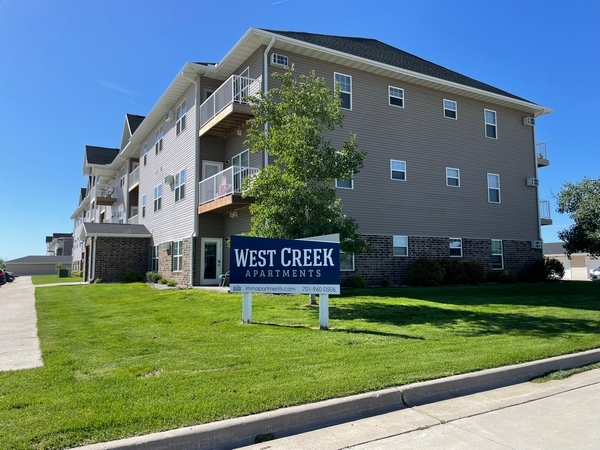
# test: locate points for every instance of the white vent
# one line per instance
(166, 246)
(169, 116)
(533, 182)
(169, 179)
(279, 60)
(529, 121)
(536, 244)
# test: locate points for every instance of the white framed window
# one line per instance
(456, 247)
(158, 141)
(397, 170)
(450, 109)
(490, 124)
(122, 173)
(452, 177)
(279, 60)
(345, 84)
(144, 205)
(346, 262)
(241, 159)
(400, 246)
(344, 184)
(121, 216)
(145, 153)
(180, 185)
(158, 198)
(396, 96)
(155, 258)
(177, 256)
(180, 113)
(497, 256)
(493, 187)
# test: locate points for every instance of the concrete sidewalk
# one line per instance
(19, 343)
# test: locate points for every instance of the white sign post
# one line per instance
(324, 311)
(247, 307)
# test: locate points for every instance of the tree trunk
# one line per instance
(312, 299)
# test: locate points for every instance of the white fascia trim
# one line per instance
(540, 110)
(118, 235)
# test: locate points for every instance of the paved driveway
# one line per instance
(19, 343)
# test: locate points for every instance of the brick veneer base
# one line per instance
(115, 256)
(379, 263)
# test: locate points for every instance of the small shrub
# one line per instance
(474, 272)
(163, 281)
(153, 277)
(355, 282)
(507, 277)
(171, 283)
(57, 267)
(425, 272)
(133, 276)
(77, 273)
(554, 269)
(454, 271)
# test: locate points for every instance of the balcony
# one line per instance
(225, 111)
(223, 192)
(134, 178)
(542, 158)
(545, 213)
(104, 194)
(133, 217)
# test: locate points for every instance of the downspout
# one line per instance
(93, 277)
(265, 89)
(537, 192)
(196, 171)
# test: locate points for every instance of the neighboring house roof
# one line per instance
(134, 121)
(100, 155)
(115, 230)
(48, 239)
(42, 259)
(554, 248)
(378, 51)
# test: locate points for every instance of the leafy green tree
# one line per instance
(295, 197)
(2, 263)
(582, 202)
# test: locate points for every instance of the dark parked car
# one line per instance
(10, 276)
(2, 277)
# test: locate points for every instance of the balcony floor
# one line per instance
(226, 122)
(225, 204)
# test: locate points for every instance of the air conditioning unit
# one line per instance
(166, 246)
(169, 116)
(529, 121)
(169, 179)
(536, 244)
(533, 182)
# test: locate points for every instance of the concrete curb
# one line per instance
(242, 431)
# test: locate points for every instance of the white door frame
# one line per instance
(212, 163)
(219, 258)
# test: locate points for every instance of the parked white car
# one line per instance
(595, 273)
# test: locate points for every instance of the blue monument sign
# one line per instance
(264, 265)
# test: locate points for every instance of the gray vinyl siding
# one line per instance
(420, 135)
(175, 221)
(234, 226)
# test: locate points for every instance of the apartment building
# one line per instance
(450, 171)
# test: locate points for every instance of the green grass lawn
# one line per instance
(52, 279)
(124, 360)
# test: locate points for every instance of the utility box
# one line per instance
(64, 273)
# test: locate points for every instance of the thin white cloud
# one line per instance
(116, 87)
(277, 3)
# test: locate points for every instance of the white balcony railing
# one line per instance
(133, 220)
(540, 149)
(103, 190)
(226, 182)
(134, 176)
(545, 209)
(233, 90)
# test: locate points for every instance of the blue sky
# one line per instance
(71, 70)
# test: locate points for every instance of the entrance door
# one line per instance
(211, 254)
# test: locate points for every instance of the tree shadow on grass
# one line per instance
(342, 330)
(469, 323)
(573, 295)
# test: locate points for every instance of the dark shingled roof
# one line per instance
(100, 155)
(118, 229)
(134, 121)
(378, 51)
(82, 194)
(554, 248)
(57, 235)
